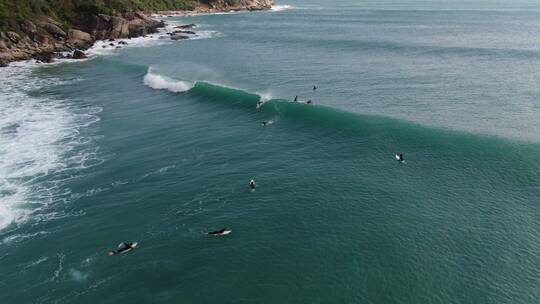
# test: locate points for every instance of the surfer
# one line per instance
(252, 184)
(308, 102)
(296, 99)
(314, 88)
(263, 123)
(401, 158)
(219, 232)
(123, 247)
(259, 104)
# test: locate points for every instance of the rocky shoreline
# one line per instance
(46, 40)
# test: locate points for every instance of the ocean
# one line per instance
(156, 143)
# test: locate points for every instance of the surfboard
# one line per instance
(222, 234)
(399, 160)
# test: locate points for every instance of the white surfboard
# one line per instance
(399, 160)
(223, 233)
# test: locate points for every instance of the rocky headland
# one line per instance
(48, 37)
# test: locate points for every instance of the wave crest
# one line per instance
(160, 82)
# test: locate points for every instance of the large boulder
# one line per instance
(185, 26)
(29, 28)
(54, 30)
(77, 54)
(46, 57)
(14, 37)
(119, 27)
(179, 37)
(79, 38)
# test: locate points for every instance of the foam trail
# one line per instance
(160, 82)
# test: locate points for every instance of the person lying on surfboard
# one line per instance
(123, 247)
(223, 231)
(400, 157)
(252, 184)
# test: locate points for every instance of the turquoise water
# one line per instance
(157, 144)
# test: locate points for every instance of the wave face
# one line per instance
(41, 144)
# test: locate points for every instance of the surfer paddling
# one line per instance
(221, 232)
(123, 248)
(252, 184)
(400, 158)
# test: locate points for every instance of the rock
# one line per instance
(111, 44)
(77, 54)
(46, 57)
(103, 46)
(112, 39)
(118, 47)
(29, 28)
(79, 35)
(143, 17)
(186, 26)
(54, 30)
(14, 37)
(119, 27)
(122, 42)
(179, 37)
(41, 39)
(3, 45)
(79, 39)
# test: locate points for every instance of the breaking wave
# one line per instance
(160, 82)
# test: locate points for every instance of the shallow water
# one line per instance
(157, 144)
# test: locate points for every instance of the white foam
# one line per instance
(279, 8)
(39, 139)
(206, 35)
(160, 82)
(78, 275)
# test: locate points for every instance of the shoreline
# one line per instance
(47, 41)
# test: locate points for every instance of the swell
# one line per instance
(317, 115)
(401, 48)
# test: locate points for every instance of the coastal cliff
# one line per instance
(41, 29)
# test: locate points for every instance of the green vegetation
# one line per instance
(12, 12)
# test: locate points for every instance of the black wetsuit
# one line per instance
(217, 232)
(296, 99)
